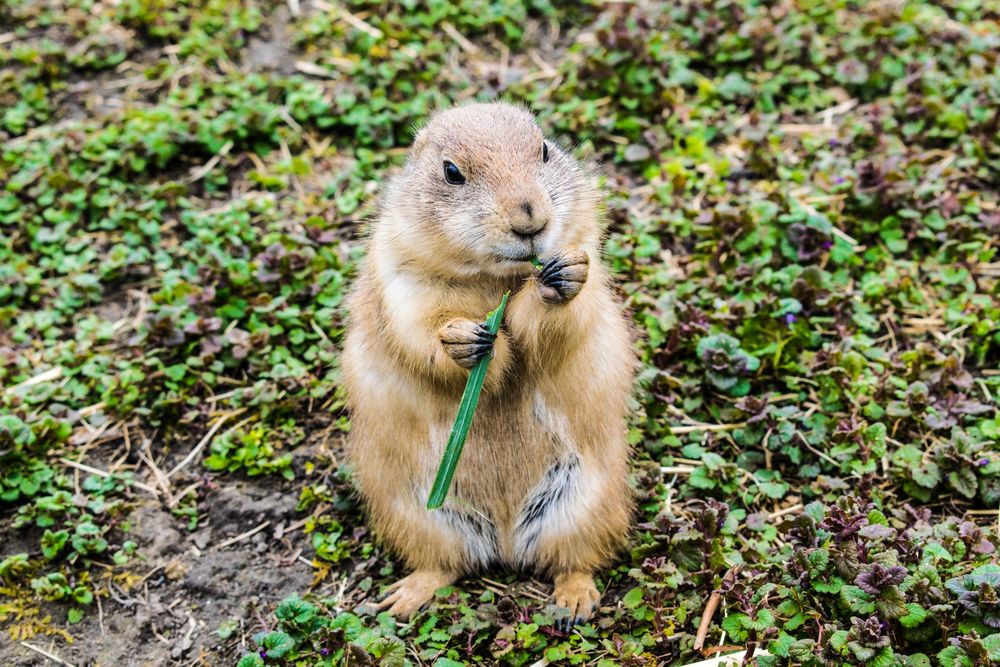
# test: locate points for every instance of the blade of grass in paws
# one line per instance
(463, 420)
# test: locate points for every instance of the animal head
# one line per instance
(486, 192)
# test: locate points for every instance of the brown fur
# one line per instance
(551, 418)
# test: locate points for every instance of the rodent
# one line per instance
(542, 484)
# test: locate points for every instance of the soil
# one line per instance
(193, 582)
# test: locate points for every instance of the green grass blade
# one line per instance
(463, 420)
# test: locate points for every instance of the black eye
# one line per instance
(452, 175)
(545, 152)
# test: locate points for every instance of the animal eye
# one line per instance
(452, 175)
(545, 152)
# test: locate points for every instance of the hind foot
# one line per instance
(577, 596)
(413, 591)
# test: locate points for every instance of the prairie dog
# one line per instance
(542, 482)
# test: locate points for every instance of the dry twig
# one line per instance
(243, 536)
(100, 473)
(711, 606)
(204, 441)
(54, 658)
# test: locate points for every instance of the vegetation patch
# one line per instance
(803, 223)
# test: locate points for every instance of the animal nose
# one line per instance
(529, 225)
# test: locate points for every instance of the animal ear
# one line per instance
(419, 142)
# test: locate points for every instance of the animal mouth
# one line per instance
(514, 258)
(522, 251)
(515, 254)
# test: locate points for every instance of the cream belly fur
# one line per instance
(542, 482)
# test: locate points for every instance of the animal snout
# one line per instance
(528, 223)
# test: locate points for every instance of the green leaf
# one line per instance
(53, 542)
(992, 646)
(915, 615)
(227, 629)
(13, 565)
(733, 85)
(953, 657)
(633, 598)
(795, 622)
(83, 595)
(963, 481)
(779, 646)
(927, 475)
(175, 372)
(463, 420)
(350, 623)
(391, 651)
(856, 600)
(773, 489)
(295, 610)
(555, 653)
(884, 658)
(833, 586)
(700, 478)
(877, 518)
(890, 603)
(736, 626)
(763, 621)
(88, 540)
(838, 641)
(818, 560)
(277, 643)
(802, 650)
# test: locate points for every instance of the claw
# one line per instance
(562, 276)
(466, 342)
(389, 599)
(550, 267)
(563, 619)
(471, 353)
(485, 336)
(559, 284)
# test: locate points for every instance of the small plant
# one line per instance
(308, 632)
(979, 595)
(971, 650)
(252, 452)
(727, 365)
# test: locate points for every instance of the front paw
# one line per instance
(465, 341)
(562, 277)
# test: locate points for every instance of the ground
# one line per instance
(803, 226)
